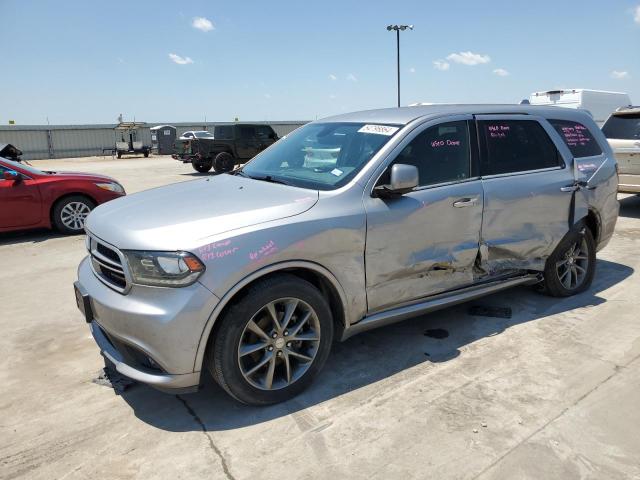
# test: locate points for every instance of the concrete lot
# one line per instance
(553, 392)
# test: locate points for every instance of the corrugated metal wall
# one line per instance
(65, 141)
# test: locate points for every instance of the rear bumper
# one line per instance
(629, 183)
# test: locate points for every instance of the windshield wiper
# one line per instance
(270, 179)
(265, 178)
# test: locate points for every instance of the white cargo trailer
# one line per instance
(600, 104)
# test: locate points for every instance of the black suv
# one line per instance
(231, 144)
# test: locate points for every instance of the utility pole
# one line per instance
(397, 29)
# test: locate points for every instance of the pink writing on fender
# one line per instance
(442, 143)
(264, 251)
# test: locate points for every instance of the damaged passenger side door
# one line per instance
(528, 190)
(425, 241)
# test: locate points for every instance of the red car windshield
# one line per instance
(21, 166)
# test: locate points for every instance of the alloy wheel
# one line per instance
(573, 266)
(279, 344)
(74, 214)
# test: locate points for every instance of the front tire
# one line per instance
(272, 343)
(571, 267)
(203, 167)
(70, 213)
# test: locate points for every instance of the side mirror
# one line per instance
(403, 179)
(11, 175)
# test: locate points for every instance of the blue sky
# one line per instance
(87, 61)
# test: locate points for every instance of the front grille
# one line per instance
(108, 264)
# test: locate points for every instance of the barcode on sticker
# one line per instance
(379, 129)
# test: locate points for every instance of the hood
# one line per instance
(181, 215)
(91, 177)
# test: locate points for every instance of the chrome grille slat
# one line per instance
(105, 267)
(105, 261)
(115, 269)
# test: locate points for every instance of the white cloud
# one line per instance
(333, 96)
(636, 14)
(267, 96)
(202, 23)
(619, 74)
(469, 58)
(352, 78)
(441, 65)
(180, 60)
(501, 72)
(332, 77)
(412, 70)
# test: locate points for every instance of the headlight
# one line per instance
(164, 269)
(111, 186)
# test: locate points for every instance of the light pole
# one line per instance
(397, 28)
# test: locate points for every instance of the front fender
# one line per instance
(276, 267)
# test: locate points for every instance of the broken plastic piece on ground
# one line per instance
(109, 377)
(436, 333)
(487, 311)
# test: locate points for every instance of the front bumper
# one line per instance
(151, 334)
(161, 380)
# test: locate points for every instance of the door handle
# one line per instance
(465, 202)
(570, 188)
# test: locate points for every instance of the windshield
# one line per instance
(622, 127)
(22, 166)
(322, 156)
(203, 134)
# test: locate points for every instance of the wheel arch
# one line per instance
(593, 222)
(314, 273)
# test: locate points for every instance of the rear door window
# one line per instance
(247, 133)
(223, 132)
(512, 146)
(577, 137)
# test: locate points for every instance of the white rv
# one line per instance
(598, 103)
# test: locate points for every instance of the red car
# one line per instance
(31, 198)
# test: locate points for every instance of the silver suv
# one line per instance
(346, 224)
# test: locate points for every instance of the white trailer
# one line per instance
(600, 104)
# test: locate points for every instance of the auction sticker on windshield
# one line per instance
(379, 129)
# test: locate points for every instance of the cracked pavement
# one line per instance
(552, 392)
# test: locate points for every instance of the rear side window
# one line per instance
(516, 146)
(577, 137)
(264, 132)
(622, 127)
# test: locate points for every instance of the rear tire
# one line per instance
(224, 162)
(203, 167)
(146, 154)
(260, 360)
(571, 267)
(119, 155)
(70, 213)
